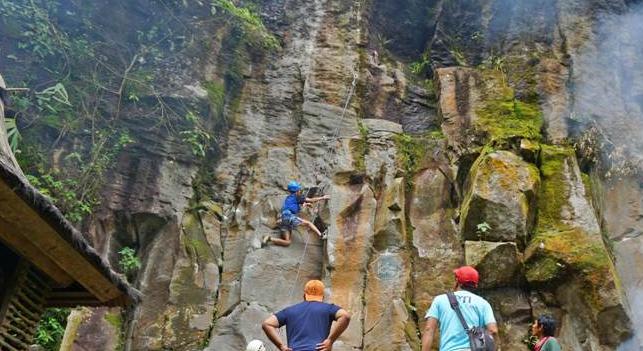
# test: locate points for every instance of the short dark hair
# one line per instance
(548, 323)
(468, 286)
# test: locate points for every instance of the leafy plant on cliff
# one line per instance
(128, 261)
(530, 340)
(13, 134)
(197, 137)
(482, 229)
(62, 193)
(51, 328)
(55, 109)
(74, 195)
(409, 152)
(30, 21)
(497, 63)
(421, 66)
(360, 147)
(249, 22)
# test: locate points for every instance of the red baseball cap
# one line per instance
(466, 274)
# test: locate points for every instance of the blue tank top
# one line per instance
(293, 203)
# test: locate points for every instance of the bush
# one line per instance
(128, 261)
(51, 329)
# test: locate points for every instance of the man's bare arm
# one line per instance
(316, 199)
(429, 332)
(492, 328)
(342, 319)
(270, 327)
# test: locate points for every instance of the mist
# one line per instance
(607, 93)
(608, 88)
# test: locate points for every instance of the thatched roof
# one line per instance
(39, 232)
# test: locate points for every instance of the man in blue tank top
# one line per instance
(475, 310)
(309, 324)
(289, 215)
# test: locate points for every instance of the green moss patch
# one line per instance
(554, 191)
(359, 148)
(216, 94)
(509, 118)
(544, 270)
(572, 253)
(114, 319)
(502, 116)
(577, 249)
(412, 149)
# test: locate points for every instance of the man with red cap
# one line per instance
(475, 310)
(308, 324)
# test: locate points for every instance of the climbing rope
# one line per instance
(301, 259)
(335, 134)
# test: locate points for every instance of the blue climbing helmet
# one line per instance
(293, 186)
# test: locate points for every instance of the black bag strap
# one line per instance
(456, 307)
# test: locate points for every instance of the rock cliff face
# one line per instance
(446, 133)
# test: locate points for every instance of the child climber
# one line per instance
(289, 211)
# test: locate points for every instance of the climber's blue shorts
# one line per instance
(289, 221)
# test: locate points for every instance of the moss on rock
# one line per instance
(567, 247)
(502, 116)
(554, 255)
(543, 270)
(216, 94)
(554, 192)
(501, 192)
(115, 319)
(412, 150)
(359, 148)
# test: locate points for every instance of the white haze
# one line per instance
(608, 90)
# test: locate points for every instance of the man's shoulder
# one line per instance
(311, 307)
(440, 299)
(330, 305)
(292, 307)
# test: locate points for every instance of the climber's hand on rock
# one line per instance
(326, 197)
(285, 348)
(325, 345)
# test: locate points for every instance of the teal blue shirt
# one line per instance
(476, 312)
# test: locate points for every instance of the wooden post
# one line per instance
(74, 320)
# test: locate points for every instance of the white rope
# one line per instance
(335, 135)
(348, 100)
(301, 259)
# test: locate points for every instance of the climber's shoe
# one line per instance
(265, 240)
